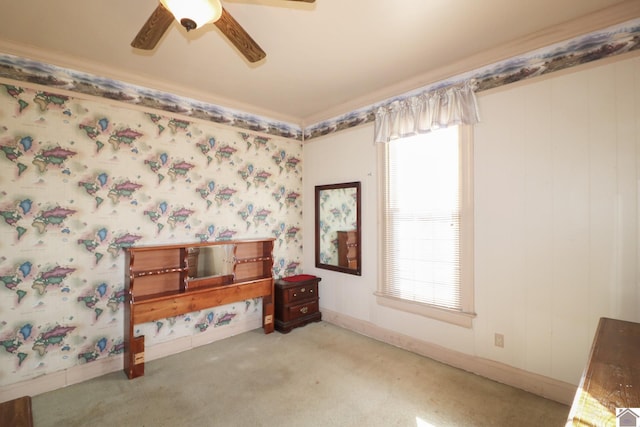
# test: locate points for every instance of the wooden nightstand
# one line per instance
(297, 302)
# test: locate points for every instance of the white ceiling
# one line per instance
(323, 59)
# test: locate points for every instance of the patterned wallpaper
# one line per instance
(80, 180)
(337, 213)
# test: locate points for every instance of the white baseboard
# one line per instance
(540, 385)
(60, 379)
(97, 368)
(543, 386)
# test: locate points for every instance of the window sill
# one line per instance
(459, 318)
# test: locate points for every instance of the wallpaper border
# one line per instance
(31, 71)
(609, 42)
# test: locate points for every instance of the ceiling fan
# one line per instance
(193, 14)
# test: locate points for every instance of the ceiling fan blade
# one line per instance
(239, 37)
(152, 31)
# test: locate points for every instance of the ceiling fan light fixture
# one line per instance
(194, 14)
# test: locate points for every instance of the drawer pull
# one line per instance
(304, 310)
(301, 290)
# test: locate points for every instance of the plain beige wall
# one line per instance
(556, 220)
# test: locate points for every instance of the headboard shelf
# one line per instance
(170, 280)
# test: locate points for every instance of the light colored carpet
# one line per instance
(319, 375)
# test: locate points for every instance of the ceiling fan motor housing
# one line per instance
(188, 23)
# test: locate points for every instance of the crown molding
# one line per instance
(70, 62)
(614, 15)
(533, 55)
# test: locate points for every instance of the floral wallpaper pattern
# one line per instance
(80, 180)
(337, 213)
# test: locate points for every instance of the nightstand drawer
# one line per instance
(297, 302)
(300, 310)
(301, 293)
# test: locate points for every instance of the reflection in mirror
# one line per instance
(210, 261)
(338, 227)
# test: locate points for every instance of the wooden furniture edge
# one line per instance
(16, 412)
(200, 244)
(198, 299)
(611, 378)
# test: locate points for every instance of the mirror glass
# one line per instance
(338, 227)
(210, 261)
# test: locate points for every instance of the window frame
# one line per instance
(464, 316)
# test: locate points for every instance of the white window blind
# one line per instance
(422, 219)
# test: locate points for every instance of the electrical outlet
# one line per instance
(499, 340)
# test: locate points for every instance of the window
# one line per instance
(427, 227)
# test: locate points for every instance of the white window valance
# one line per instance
(427, 111)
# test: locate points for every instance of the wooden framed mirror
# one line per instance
(338, 227)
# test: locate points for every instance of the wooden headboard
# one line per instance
(169, 280)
